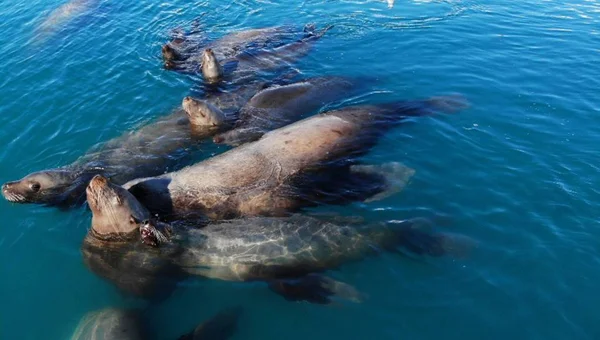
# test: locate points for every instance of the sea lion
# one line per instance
(59, 17)
(111, 248)
(119, 250)
(277, 106)
(148, 151)
(269, 176)
(246, 65)
(183, 51)
(288, 253)
(113, 323)
(110, 324)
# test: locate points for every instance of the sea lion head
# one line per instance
(48, 187)
(202, 113)
(169, 53)
(116, 212)
(211, 68)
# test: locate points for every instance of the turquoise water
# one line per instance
(516, 171)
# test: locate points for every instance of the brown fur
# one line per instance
(259, 178)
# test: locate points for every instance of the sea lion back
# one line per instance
(264, 247)
(109, 324)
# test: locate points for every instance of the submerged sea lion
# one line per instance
(278, 106)
(246, 65)
(147, 151)
(287, 253)
(127, 324)
(110, 324)
(181, 53)
(62, 15)
(269, 176)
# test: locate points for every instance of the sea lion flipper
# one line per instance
(315, 288)
(237, 137)
(221, 326)
(411, 236)
(395, 174)
(449, 103)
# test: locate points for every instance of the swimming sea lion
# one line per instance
(112, 250)
(110, 324)
(246, 65)
(120, 249)
(127, 324)
(62, 15)
(147, 151)
(266, 177)
(277, 106)
(288, 253)
(181, 53)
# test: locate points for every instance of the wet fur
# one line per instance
(278, 106)
(148, 151)
(265, 185)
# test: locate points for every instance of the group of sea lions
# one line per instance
(238, 216)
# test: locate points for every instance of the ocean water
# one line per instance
(516, 171)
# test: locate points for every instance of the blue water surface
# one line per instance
(517, 171)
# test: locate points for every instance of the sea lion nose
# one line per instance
(98, 180)
(218, 139)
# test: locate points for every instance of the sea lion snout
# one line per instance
(6, 187)
(218, 139)
(169, 65)
(98, 180)
(10, 192)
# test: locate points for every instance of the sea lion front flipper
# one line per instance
(220, 327)
(366, 183)
(315, 288)
(410, 235)
(395, 174)
(237, 137)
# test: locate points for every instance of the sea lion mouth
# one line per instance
(11, 195)
(169, 65)
(218, 139)
(97, 183)
(94, 190)
(151, 236)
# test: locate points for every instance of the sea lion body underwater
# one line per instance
(127, 324)
(248, 65)
(148, 151)
(268, 177)
(59, 17)
(286, 252)
(183, 51)
(277, 106)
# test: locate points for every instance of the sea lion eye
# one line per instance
(35, 187)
